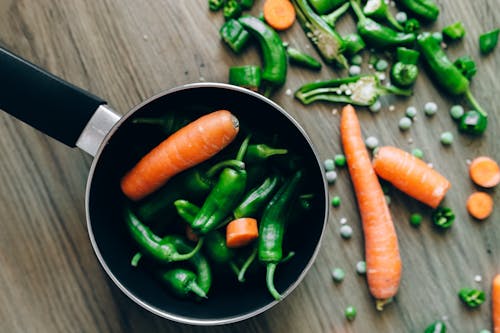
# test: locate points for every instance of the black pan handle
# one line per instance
(44, 101)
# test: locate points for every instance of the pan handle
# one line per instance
(52, 105)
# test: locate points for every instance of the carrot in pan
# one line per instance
(192, 144)
(383, 261)
(411, 175)
(479, 205)
(279, 14)
(484, 171)
(241, 231)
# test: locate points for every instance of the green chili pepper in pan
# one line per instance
(377, 35)
(326, 40)
(405, 71)
(256, 199)
(448, 76)
(436, 327)
(353, 44)
(488, 41)
(302, 59)
(332, 18)
(472, 297)
(424, 9)
(260, 152)
(248, 76)
(160, 249)
(325, 6)
(363, 90)
(466, 66)
(379, 10)
(443, 217)
(234, 35)
(182, 282)
(272, 229)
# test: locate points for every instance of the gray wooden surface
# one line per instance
(128, 50)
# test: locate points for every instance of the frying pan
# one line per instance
(79, 119)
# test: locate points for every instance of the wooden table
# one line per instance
(126, 51)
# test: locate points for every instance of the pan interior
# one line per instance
(228, 299)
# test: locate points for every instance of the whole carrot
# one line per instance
(495, 304)
(383, 261)
(192, 144)
(411, 175)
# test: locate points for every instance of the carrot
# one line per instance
(479, 205)
(279, 14)
(192, 144)
(411, 175)
(484, 171)
(383, 261)
(495, 303)
(241, 231)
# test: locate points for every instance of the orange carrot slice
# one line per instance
(279, 14)
(484, 171)
(383, 261)
(480, 205)
(241, 232)
(192, 144)
(411, 175)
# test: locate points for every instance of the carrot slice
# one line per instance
(480, 205)
(411, 175)
(241, 231)
(484, 171)
(194, 143)
(279, 14)
(495, 303)
(383, 261)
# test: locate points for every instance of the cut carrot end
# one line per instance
(241, 232)
(479, 205)
(279, 14)
(484, 172)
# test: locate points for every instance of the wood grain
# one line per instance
(126, 51)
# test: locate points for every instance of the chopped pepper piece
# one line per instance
(379, 10)
(488, 41)
(466, 66)
(234, 35)
(248, 76)
(303, 59)
(454, 31)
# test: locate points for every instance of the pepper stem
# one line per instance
(246, 265)
(475, 104)
(221, 165)
(135, 259)
(189, 255)
(243, 148)
(332, 18)
(196, 289)
(390, 89)
(357, 10)
(271, 268)
(234, 268)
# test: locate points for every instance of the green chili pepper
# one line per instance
(325, 6)
(169, 123)
(412, 25)
(353, 44)
(445, 73)
(363, 90)
(473, 122)
(215, 5)
(454, 31)
(424, 9)
(436, 327)
(303, 59)
(407, 56)
(472, 297)
(260, 152)
(234, 35)
(405, 71)
(224, 197)
(335, 15)
(443, 217)
(379, 10)
(377, 35)
(256, 199)
(466, 66)
(159, 249)
(246, 4)
(182, 282)
(272, 49)
(272, 229)
(232, 9)
(326, 40)
(248, 76)
(488, 41)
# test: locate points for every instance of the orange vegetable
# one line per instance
(241, 231)
(411, 175)
(383, 261)
(480, 205)
(192, 144)
(279, 14)
(484, 171)
(495, 303)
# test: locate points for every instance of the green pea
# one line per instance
(417, 152)
(361, 267)
(329, 164)
(401, 17)
(404, 123)
(350, 312)
(472, 297)
(456, 112)
(346, 231)
(484, 331)
(411, 112)
(415, 219)
(354, 70)
(446, 138)
(381, 65)
(340, 160)
(357, 60)
(375, 107)
(387, 199)
(331, 177)
(430, 108)
(336, 201)
(371, 142)
(338, 274)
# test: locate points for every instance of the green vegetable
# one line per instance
(488, 41)
(472, 297)
(303, 59)
(404, 72)
(326, 40)
(446, 138)
(346, 231)
(363, 90)
(169, 123)
(336, 201)
(412, 25)
(418, 153)
(361, 267)
(456, 112)
(338, 275)
(443, 217)
(375, 107)
(182, 282)
(407, 56)
(404, 123)
(234, 35)
(272, 229)
(377, 35)
(260, 152)
(415, 219)
(340, 160)
(273, 52)
(353, 45)
(379, 10)
(371, 142)
(332, 18)
(401, 17)
(424, 9)
(331, 176)
(329, 164)
(436, 327)
(350, 312)
(215, 5)
(255, 200)
(381, 65)
(454, 31)
(231, 9)
(466, 66)
(356, 60)
(411, 112)
(248, 76)
(246, 4)
(325, 6)
(354, 70)
(438, 36)
(473, 122)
